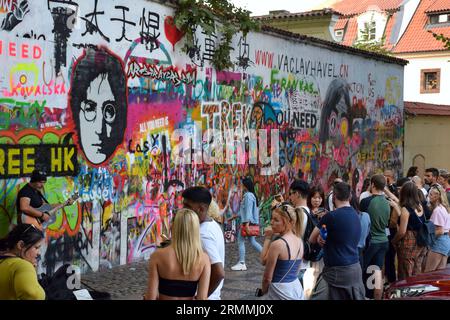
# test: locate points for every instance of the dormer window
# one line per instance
(369, 31)
(439, 18)
(339, 34)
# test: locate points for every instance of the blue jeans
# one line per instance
(241, 243)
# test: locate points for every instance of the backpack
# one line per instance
(426, 235)
(56, 288)
(312, 252)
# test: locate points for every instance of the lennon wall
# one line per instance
(95, 91)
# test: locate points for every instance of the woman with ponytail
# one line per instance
(248, 213)
(20, 251)
(282, 256)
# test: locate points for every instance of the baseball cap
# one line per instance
(38, 175)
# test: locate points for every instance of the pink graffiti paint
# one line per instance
(341, 154)
(143, 112)
(172, 33)
(227, 77)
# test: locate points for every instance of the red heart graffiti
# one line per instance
(172, 33)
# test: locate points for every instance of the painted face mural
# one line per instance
(101, 95)
(98, 103)
(334, 120)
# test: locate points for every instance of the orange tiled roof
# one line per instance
(416, 37)
(351, 33)
(288, 15)
(352, 7)
(438, 6)
(426, 109)
(341, 23)
(390, 24)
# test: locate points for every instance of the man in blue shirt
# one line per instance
(341, 278)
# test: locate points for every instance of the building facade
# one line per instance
(100, 95)
(405, 29)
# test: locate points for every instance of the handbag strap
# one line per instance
(293, 262)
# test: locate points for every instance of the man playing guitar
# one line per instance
(30, 198)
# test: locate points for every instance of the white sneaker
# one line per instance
(240, 266)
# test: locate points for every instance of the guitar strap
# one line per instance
(42, 196)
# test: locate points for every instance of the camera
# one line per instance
(258, 292)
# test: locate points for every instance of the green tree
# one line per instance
(231, 20)
(367, 42)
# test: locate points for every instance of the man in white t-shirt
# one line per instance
(198, 199)
(298, 196)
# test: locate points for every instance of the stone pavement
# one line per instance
(129, 282)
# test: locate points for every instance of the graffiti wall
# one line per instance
(99, 95)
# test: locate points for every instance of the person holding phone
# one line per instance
(315, 203)
(20, 251)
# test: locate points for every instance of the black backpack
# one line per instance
(56, 288)
(426, 235)
(312, 252)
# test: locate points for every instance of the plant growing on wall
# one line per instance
(191, 14)
(369, 43)
(442, 38)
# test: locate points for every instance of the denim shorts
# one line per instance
(442, 245)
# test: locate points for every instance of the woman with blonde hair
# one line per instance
(438, 254)
(214, 212)
(182, 269)
(283, 255)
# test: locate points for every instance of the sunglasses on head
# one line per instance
(437, 189)
(29, 227)
(283, 206)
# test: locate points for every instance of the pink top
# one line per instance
(441, 218)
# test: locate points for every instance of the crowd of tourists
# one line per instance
(334, 246)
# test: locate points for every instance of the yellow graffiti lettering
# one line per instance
(68, 164)
(13, 164)
(2, 161)
(28, 164)
(56, 160)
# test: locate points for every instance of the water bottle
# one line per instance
(323, 232)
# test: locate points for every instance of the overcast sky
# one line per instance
(261, 7)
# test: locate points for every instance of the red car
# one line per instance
(426, 286)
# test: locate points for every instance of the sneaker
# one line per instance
(240, 266)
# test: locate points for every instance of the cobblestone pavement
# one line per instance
(128, 282)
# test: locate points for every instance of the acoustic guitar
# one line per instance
(47, 209)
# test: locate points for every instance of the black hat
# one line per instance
(37, 176)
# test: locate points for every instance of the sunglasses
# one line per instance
(29, 227)
(283, 206)
(437, 189)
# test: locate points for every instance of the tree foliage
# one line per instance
(191, 14)
(365, 43)
(442, 38)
